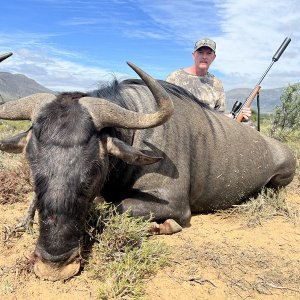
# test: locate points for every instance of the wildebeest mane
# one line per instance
(173, 89)
(112, 90)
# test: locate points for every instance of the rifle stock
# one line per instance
(239, 116)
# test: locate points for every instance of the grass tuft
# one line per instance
(124, 254)
(268, 204)
(8, 127)
(15, 183)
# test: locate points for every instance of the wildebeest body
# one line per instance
(81, 147)
(209, 162)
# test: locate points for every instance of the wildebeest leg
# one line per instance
(285, 162)
(169, 216)
(284, 176)
(280, 180)
(27, 221)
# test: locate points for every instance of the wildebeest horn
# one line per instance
(106, 114)
(25, 108)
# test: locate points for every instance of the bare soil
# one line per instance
(217, 257)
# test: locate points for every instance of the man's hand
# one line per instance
(246, 111)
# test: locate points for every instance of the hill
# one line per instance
(15, 86)
(269, 98)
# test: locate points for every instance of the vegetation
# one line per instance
(123, 255)
(265, 206)
(286, 117)
(14, 171)
(11, 127)
(14, 184)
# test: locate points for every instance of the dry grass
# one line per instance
(14, 183)
(240, 270)
(123, 254)
(9, 128)
(249, 270)
(15, 179)
(267, 205)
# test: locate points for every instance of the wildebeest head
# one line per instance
(68, 156)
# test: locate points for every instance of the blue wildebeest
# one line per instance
(187, 159)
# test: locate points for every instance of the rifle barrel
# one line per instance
(257, 86)
(266, 72)
(275, 57)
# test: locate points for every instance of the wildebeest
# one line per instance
(150, 147)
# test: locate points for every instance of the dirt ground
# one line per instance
(217, 257)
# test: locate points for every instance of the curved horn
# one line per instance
(105, 113)
(25, 108)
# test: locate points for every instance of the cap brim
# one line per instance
(206, 47)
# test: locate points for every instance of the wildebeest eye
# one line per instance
(53, 219)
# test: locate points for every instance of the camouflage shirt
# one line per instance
(207, 88)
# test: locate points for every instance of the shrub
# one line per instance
(123, 253)
(286, 117)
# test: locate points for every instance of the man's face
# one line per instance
(203, 58)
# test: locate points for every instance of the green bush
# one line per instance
(286, 117)
(124, 253)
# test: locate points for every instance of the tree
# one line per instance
(286, 116)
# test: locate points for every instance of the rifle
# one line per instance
(236, 110)
(5, 56)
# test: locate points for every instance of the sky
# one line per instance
(68, 45)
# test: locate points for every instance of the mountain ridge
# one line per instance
(268, 98)
(15, 86)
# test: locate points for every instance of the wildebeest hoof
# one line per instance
(168, 227)
(52, 272)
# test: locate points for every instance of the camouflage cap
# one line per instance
(206, 42)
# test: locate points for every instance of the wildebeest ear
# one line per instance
(128, 154)
(15, 144)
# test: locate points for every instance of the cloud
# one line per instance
(79, 21)
(247, 33)
(186, 20)
(252, 31)
(54, 68)
(62, 75)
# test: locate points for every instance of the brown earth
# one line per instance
(217, 257)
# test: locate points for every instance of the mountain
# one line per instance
(15, 86)
(268, 98)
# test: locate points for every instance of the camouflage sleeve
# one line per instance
(171, 78)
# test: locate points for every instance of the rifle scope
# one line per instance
(5, 56)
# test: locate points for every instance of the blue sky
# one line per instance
(74, 44)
